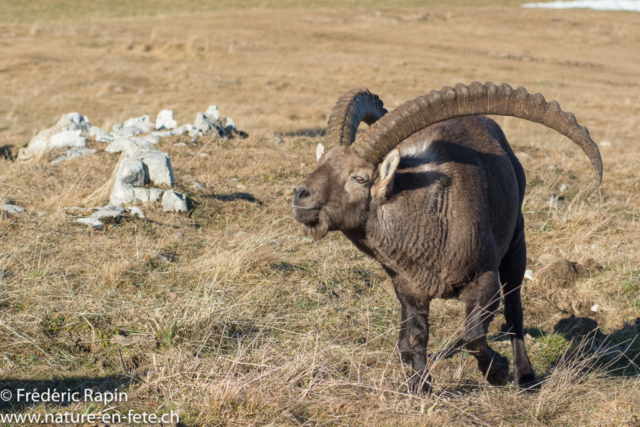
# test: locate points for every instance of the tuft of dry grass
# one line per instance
(228, 314)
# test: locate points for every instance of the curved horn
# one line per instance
(355, 106)
(439, 105)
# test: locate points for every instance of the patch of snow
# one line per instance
(615, 5)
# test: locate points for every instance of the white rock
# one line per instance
(188, 128)
(150, 139)
(111, 208)
(129, 145)
(213, 114)
(143, 167)
(230, 125)
(132, 172)
(69, 138)
(162, 134)
(109, 213)
(595, 308)
(155, 194)
(563, 188)
(179, 144)
(72, 154)
(203, 123)
(158, 166)
(165, 120)
(12, 209)
(141, 194)
(197, 184)
(75, 121)
(41, 142)
(119, 145)
(100, 135)
(94, 223)
(147, 194)
(528, 274)
(605, 143)
(136, 212)
(134, 126)
(143, 123)
(174, 202)
(121, 194)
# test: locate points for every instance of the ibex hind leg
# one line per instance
(512, 269)
(482, 300)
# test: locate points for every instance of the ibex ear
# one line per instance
(387, 171)
(319, 151)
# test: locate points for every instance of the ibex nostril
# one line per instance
(302, 192)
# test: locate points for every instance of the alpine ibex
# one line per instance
(433, 192)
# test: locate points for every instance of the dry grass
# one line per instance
(241, 320)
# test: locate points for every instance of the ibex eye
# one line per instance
(359, 179)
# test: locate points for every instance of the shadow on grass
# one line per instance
(75, 388)
(616, 354)
(310, 132)
(232, 197)
(5, 152)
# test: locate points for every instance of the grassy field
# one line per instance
(230, 316)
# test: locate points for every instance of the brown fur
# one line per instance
(444, 221)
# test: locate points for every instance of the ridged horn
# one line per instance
(355, 106)
(477, 98)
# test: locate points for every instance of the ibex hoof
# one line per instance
(420, 385)
(498, 374)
